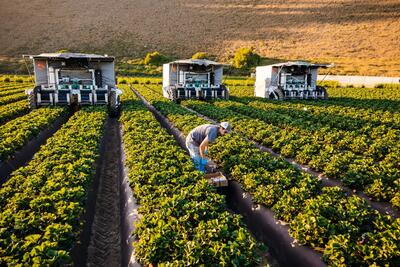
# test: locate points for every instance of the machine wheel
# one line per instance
(322, 90)
(325, 93)
(277, 94)
(113, 107)
(32, 99)
(177, 101)
(226, 92)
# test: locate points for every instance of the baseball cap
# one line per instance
(226, 126)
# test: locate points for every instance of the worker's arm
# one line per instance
(203, 146)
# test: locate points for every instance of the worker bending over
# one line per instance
(200, 137)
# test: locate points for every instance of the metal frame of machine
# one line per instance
(289, 80)
(74, 79)
(194, 78)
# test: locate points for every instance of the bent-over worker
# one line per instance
(200, 137)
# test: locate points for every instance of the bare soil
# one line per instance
(105, 240)
(361, 36)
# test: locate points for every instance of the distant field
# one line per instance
(361, 37)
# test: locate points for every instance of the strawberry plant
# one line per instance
(183, 220)
(315, 215)
(43, 202)
(12, 110)
(345, 155)
(15, 133)
(12, 98)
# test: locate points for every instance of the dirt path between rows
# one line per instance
(105, 241)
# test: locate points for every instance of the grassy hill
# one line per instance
(361, 37)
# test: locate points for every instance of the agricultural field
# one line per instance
(319, 217)
(327, 172)
(315, 30)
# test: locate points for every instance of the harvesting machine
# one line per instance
(194, 78)
(74, 79)
(289, 80)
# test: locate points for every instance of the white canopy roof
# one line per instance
(68, 55)
(202, 62)
(300, 63)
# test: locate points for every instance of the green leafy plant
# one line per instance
(316, 215)
(200, 55)
(245, 57)
(15, 133)
(183, 220)
(155, 58)
(43, 202)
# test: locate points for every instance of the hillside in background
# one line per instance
(361, 37)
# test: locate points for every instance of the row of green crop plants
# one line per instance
(386, 92)
(387, 98)
(6, 88)
(13, 90)
(363, 154)
(325, 112)
(13, 110)
(183, 220)
(43, 202)
(344, 228)
(369, 99)
(14, 79)
(12, 98)
(366, 159)
(347, 109)
(13, 101)
(16, 133)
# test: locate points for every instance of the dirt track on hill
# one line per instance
(361, 36)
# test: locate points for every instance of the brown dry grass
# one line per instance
(361, 37)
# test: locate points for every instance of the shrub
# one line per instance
(155, 58)
(19, 80)
(62, 51)
(147, 82)
(245, 58)
(328, 84)
(200, 55)
(7, 80)
(123, 81)
(135, 82)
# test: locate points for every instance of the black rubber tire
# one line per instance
(32, 100)
(176, 100)
(113, 107)
(322, 90)
(326, 96)
(226, 92)
(280, 94)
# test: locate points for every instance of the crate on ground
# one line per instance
(217, 179)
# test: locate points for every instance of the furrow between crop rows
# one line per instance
(43, 202)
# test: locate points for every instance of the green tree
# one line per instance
(200, 55)
(155, 58)
(245, 58)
